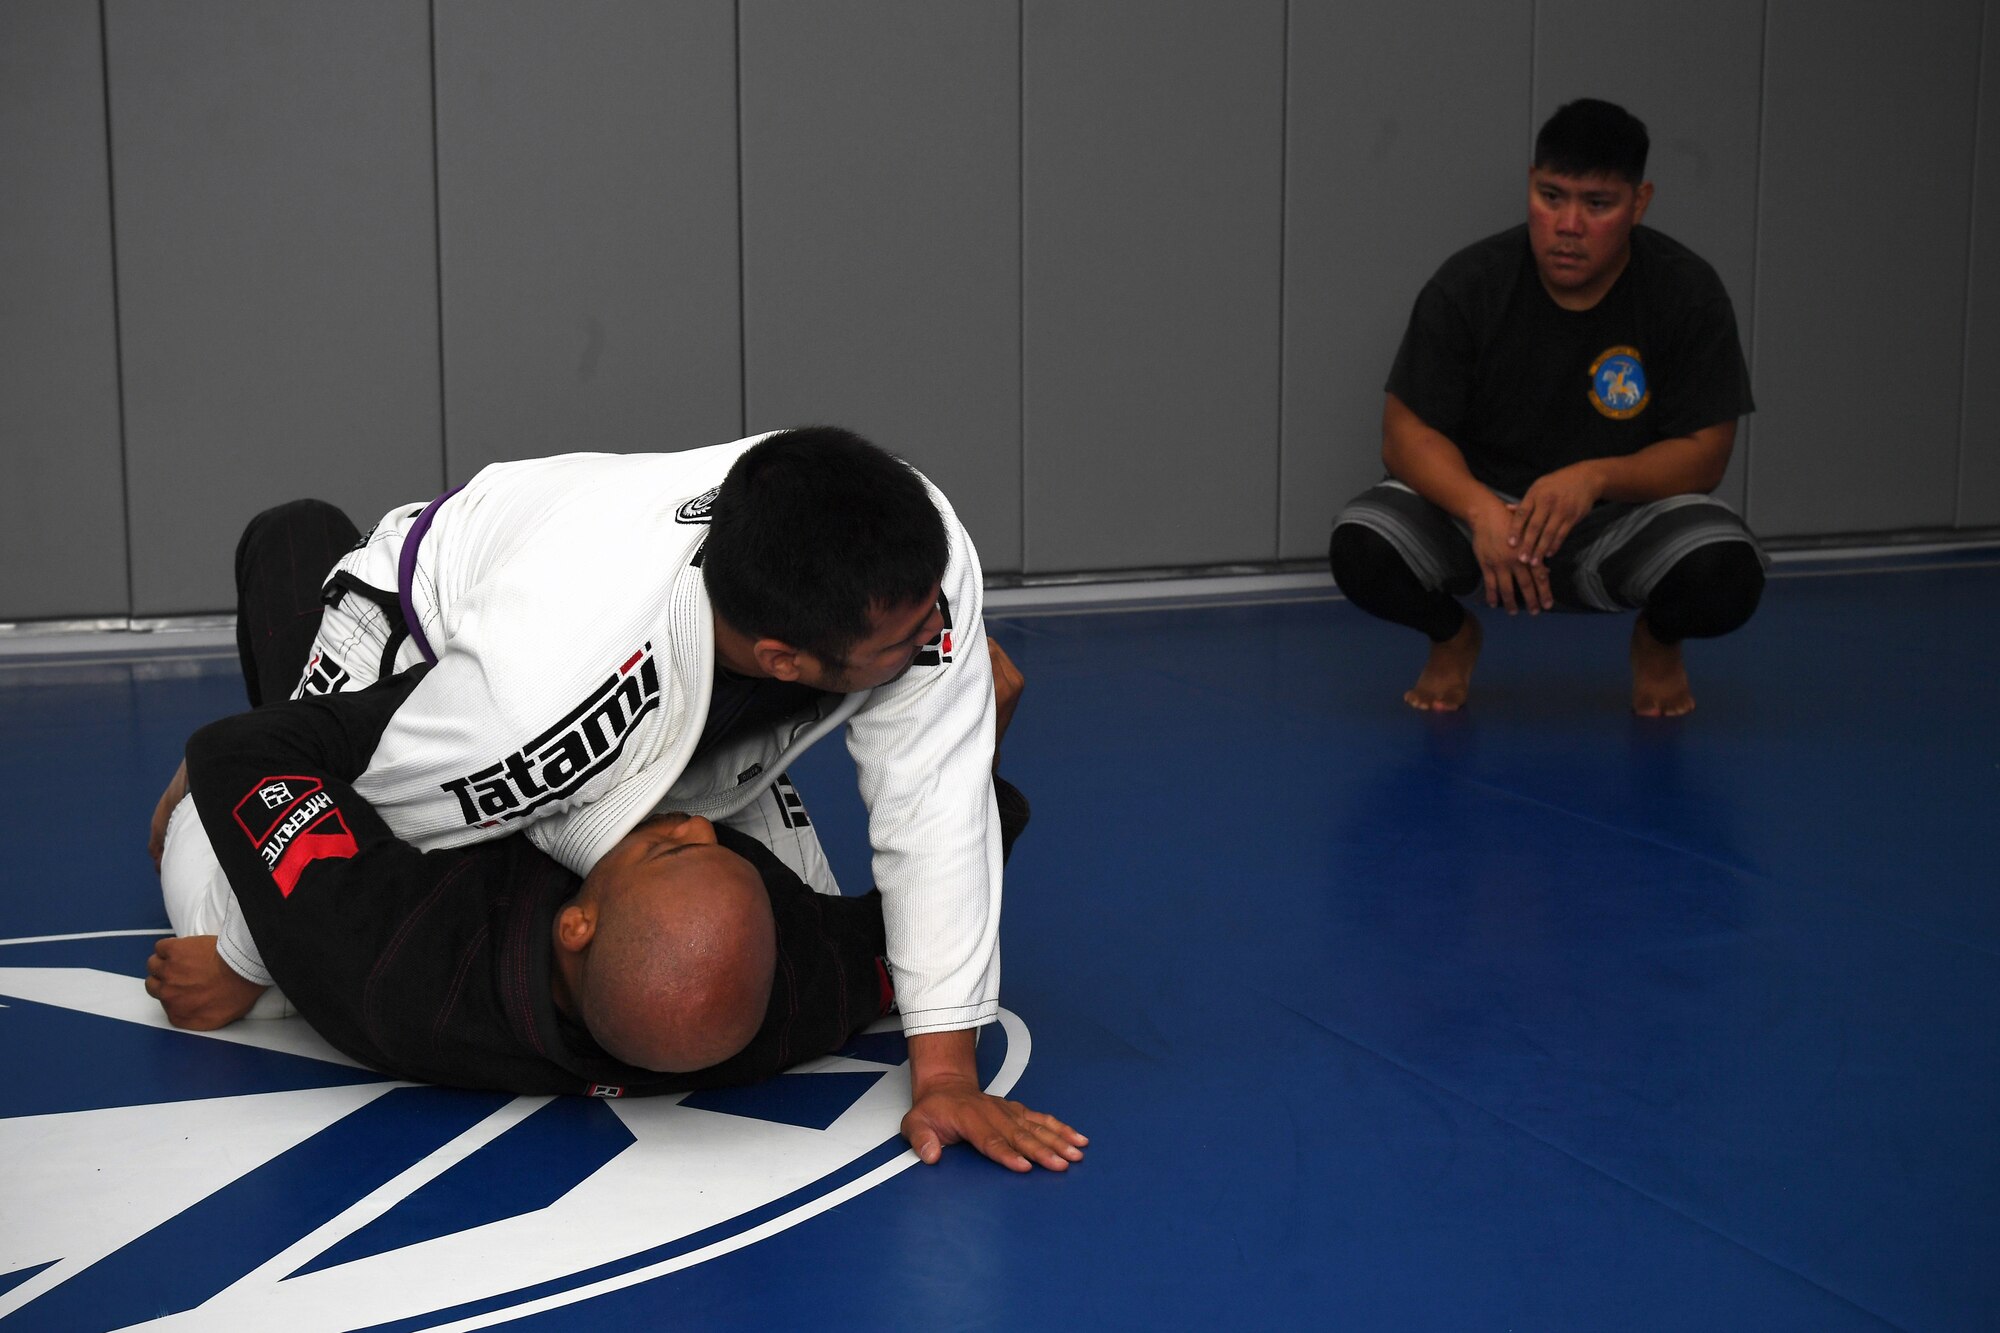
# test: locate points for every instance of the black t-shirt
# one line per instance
(1523, 386)
(436, 965)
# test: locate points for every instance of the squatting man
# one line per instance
(601, 637)
(1565, 397)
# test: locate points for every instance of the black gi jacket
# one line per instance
(436, 965)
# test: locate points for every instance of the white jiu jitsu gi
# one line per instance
(563, 599)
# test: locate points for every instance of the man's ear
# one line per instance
(778, 659)
(576, 926)
(1642, 197)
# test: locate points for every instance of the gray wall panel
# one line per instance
(64, 488)
(1979, 442)
(1704, 159)
(587, 218)
(277, 276)
(1861, 266)
(1407, 138)
(881, 237)
(1124, 277)
(1153, 209)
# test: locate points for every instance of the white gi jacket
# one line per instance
(575, 646)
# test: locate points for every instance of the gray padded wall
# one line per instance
(1125, 276)
(62, 503)
(1704, 158)
(881, 237)
(1979, 444)
(277, 284)
(1407, 138)
(1152, 214)
(1861, 266)
(587, 227)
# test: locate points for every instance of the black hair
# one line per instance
(813, 531)
(1589, 137)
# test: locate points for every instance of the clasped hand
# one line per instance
(198, 990)
(1514, 542)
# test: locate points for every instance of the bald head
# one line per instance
(674, 947)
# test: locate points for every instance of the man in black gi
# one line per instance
(1565, 397)
(490, 966)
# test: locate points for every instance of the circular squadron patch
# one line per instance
(1618, 385)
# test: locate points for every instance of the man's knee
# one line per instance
(283, 557)
(1362, 558)
(1374, 575)
(297, 525)
(1712, 590)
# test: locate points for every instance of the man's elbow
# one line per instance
(1395, 453)
(208, 740)
(1393, 415)
(1706, 463)
(1714, 469)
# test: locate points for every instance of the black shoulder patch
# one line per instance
(698, 509)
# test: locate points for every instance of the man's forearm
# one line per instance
(1429, 463)
(923, 754)
(1682, 465)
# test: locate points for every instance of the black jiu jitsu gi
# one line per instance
(436, 965)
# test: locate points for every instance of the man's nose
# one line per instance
(1569, 219)
(695, 829)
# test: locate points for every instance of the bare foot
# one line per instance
(1659, 676)
(1448, 671)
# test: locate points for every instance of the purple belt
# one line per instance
(406, 570)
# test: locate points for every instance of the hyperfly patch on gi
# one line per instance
(557, 763)
(292, 822)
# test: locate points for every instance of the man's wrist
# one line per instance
(241, 964)
(943, 1059)
(1601, 473)
(1484, 508)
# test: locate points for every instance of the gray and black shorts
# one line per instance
(1610, 561)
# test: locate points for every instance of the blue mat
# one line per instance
(1540, 1016)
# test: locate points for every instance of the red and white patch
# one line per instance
(292, 822)
(938, 651)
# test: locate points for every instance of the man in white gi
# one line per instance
(618, 634)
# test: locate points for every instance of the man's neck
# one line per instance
(1579, 299)
(563, 980)
(734, 650)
